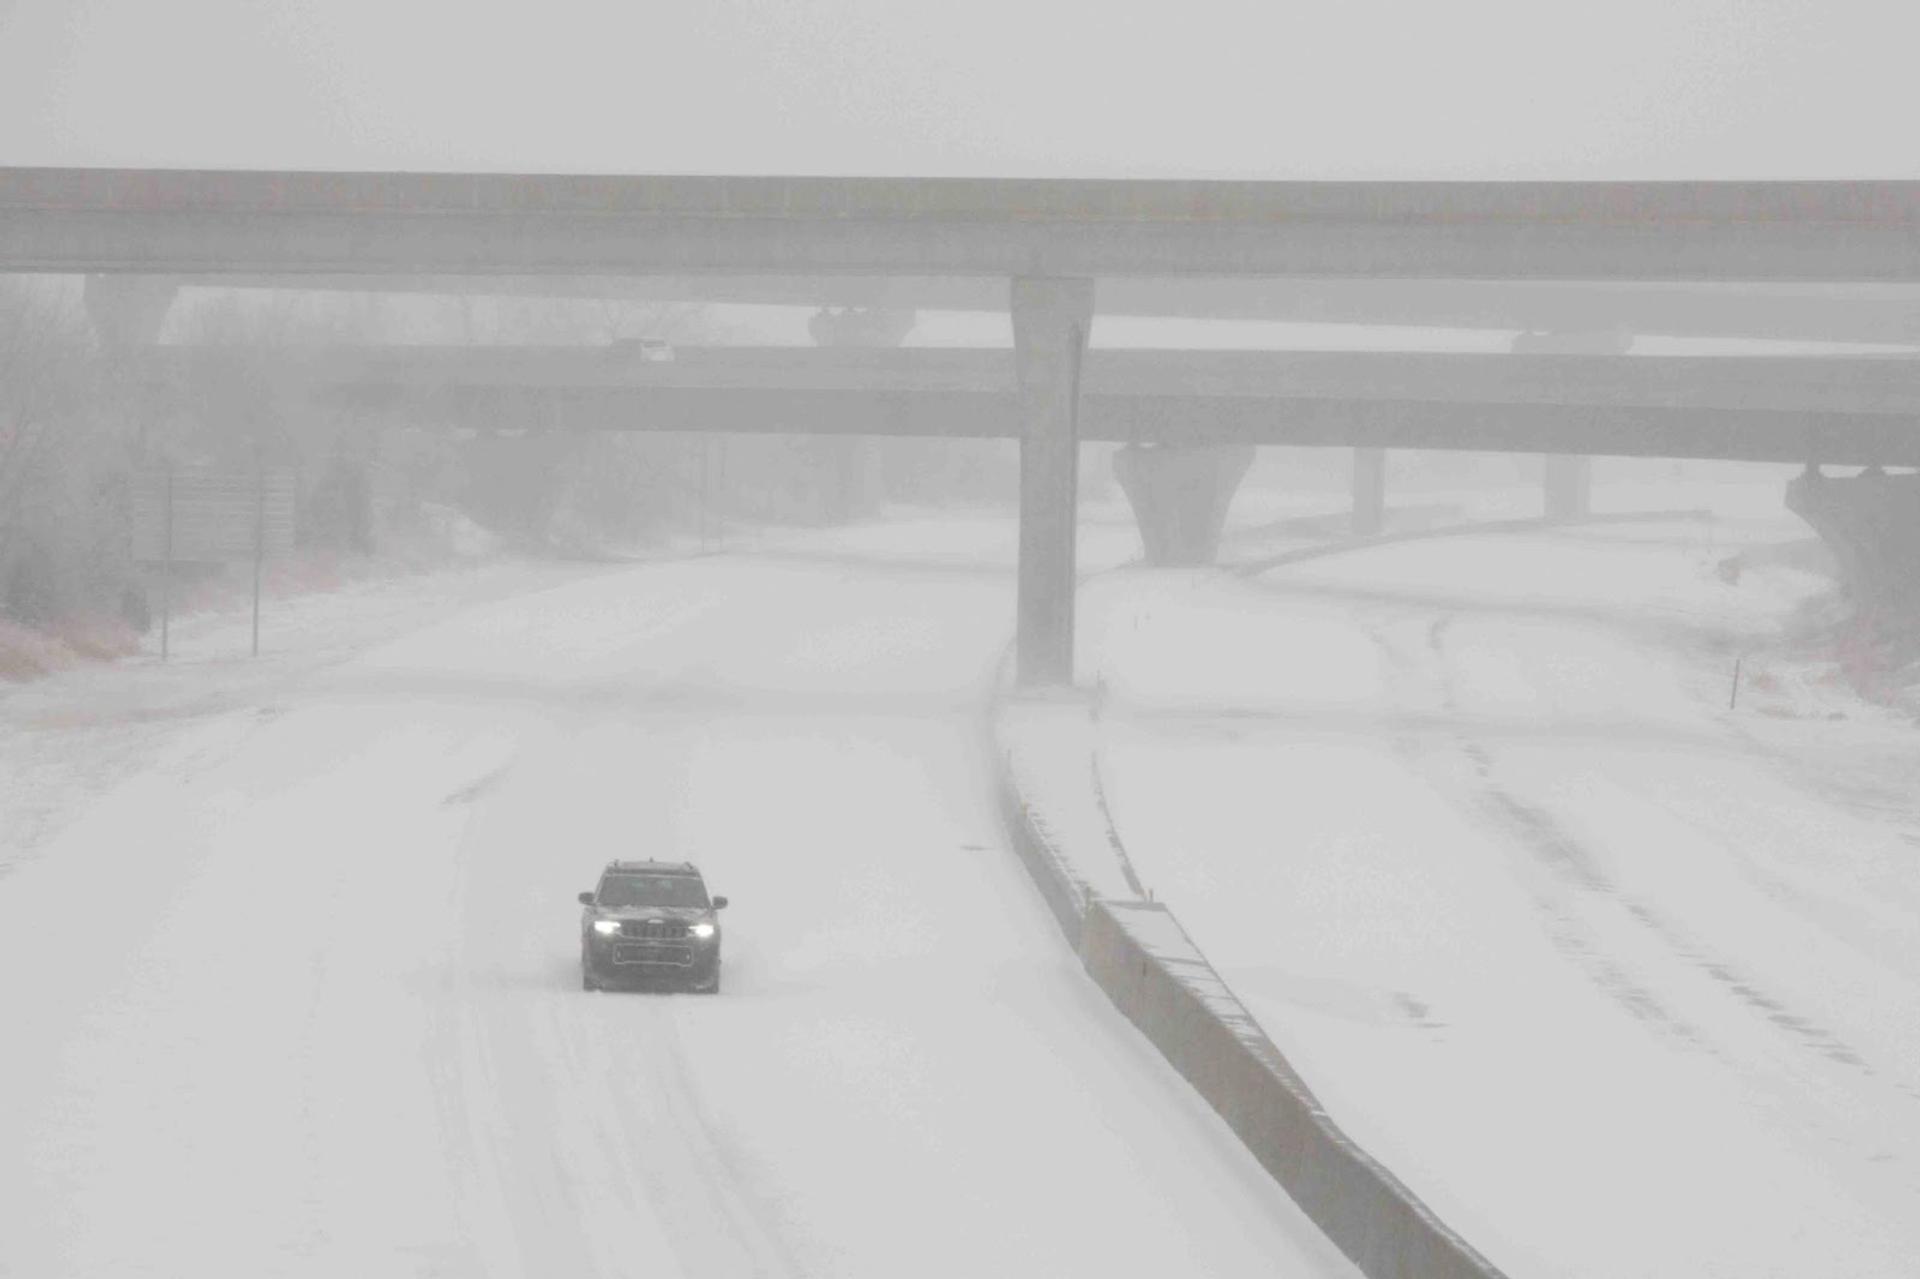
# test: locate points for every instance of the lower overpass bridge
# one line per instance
(1859, 410)
(1191, 416)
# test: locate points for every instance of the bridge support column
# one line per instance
(1369, 492)
(1180, 494)
(853, 462)
(1051, 320)
(1871, 523)
(127, 310)
(1567, 482)
(1566, 486)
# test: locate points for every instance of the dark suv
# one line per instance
(650, 921)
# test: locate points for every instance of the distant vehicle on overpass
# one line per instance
(645, 350)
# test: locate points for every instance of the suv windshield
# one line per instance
(618, 892)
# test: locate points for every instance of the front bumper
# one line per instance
(618, 957)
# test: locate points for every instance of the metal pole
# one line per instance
(706, 492)
(1733, 694)
(166, 570)
(259, 542)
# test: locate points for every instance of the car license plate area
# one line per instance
(653, 954)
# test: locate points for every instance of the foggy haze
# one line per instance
(775, 724)
(1677, 89)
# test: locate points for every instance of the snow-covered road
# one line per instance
(1618, 981)
(291, 988)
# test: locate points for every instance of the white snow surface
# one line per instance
(1617, 980)
(290, 953)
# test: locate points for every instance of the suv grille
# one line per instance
(654, 929)
(667, 953)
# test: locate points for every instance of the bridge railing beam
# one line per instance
(1051, 320)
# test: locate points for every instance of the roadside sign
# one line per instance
(215, 515)
(206, 516)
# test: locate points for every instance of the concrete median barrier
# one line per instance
(1136, 951)
(1064, 894)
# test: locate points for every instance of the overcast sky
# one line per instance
(1214, 88)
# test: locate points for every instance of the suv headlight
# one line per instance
(702, 930)
(606, 927)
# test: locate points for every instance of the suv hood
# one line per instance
(689, 913)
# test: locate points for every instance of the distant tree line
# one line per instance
(83, 417)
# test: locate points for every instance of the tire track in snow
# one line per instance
(724, 1181)
(654, 1143)
(1533, 827)
(1563, 854)
(632, 1171)
(1568, 860)
(1550, 844)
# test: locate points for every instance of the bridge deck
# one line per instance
(1855, 384)
(488, 224)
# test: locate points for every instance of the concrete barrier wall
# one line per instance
(1065, 896)
(1137, 952)
(1140, 956)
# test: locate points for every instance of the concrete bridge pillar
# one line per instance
(1180, 494)
(1871, 523)
(852, 462)
(1051, 320)
(1566, 481)
(127, 310)
(1369, 492)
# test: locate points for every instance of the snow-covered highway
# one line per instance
(291, 984)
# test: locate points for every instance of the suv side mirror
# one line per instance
(586, 899)
(719, 903)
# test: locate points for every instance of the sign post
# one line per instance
(259, 543)
(166, 571)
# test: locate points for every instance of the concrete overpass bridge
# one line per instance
(1045, 242)
(1846, 410)
(1786, 312)
(1192, 416)
(215, 223)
